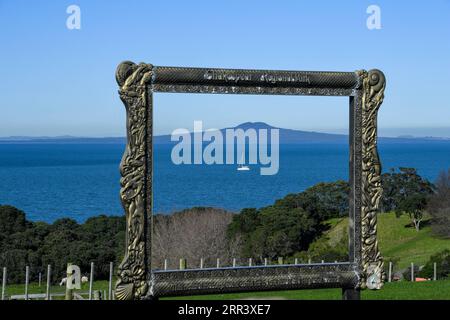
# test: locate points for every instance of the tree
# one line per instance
(37, 244)
(192, 234)
(414, 205)
(439, 206)
(442, 260)
(327, 250)
(292, 223)
(406, 192)
(402, 184)
(323, 200)
(274, 231)
(12, 220)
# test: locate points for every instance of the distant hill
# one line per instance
(287, 136)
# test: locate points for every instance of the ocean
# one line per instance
(50, 181)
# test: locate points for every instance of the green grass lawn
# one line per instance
(16, 289)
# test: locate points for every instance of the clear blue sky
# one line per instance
(57, 81)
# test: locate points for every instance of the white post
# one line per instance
(49, 274)
(111, 270)
(309, 260)
(412, 272)
(27, 279)
(201, 263)
(218, 263)
(390, 272)
(40, 278)
(296, 261)
(69, 292)
(323, 261)
(234, 262)
(249, 262)
(165, 264)
(183, 263)
(91, 280)
(4, 283)
(434, 271)
(265, 261)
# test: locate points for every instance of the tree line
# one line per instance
(289, 228)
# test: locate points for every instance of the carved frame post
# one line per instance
(136, 180)
(372, 95)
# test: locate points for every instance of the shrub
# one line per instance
(439, 206)
(442, 260)
(407, 273)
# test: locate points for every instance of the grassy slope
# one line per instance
(398, 241)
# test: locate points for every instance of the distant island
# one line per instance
(287, 136)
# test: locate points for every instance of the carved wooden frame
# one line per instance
(137, 82)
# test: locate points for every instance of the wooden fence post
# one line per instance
(434, 271)
(250, 262)
(201, 263)
(40, 278)
(111, 271)
(218, 263)
(4, 283)
(234, 262)
(280, 260)
(390, 272)
(182, 264)
(27, 280)
(69, 292)
(91, 280)
(412, 272)
(49, 277)
(265, 261)
(165, 264)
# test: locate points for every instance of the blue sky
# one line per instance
(57, 81)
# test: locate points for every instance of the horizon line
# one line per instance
(260, 123)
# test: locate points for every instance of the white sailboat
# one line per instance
(241, 166)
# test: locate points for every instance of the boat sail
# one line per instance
(241, 166)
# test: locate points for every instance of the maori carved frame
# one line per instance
(365, 89)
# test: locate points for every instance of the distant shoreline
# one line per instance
(287, 136)
(122, 140)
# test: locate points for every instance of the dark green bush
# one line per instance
(442, 260)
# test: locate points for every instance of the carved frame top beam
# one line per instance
(248, 77)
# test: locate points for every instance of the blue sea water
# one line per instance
(49, 181)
